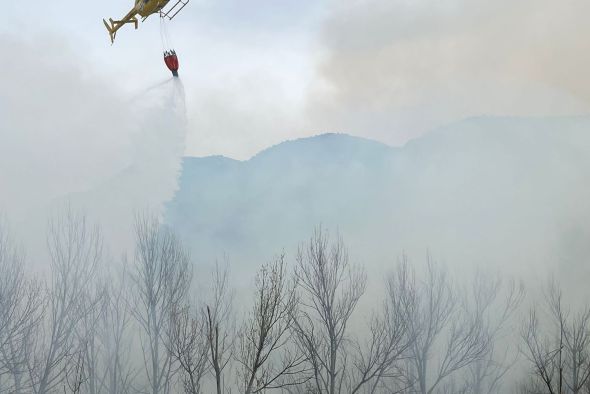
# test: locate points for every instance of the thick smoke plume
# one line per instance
(68, 136)
(397, 69)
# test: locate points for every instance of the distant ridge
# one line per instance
(485, 190)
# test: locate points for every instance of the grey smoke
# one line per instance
(395, 69)
(70, 136)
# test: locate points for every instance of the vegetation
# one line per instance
(139, 330)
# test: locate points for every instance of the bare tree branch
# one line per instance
(331, 289)
(266, 360)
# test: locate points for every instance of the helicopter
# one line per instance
(143, 9)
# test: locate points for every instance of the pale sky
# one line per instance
(262, 71)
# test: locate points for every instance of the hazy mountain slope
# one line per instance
(483, 191)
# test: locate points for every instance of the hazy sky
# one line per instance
(258, 72)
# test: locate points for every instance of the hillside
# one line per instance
(485, 191)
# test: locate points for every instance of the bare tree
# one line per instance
(76, 376)
(102, 332)
(20, 312)
(331, 289)
(543, 355)
(495, 301)
(75, 249)
(104, 356)
(162, 277)
(189, 347)
(400, 306)
(266, 359)
(443, 323)
(559, 355)
(89, 363)
(376, 361)
(219, 327)
(118, 374)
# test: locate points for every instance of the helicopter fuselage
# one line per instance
(146, 8)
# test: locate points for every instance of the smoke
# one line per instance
(152, 177)
(69, 136)
(396, 69)
(58, 122)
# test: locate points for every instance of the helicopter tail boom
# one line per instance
(112, 25)
(111, 29)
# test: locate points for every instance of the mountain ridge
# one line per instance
(486, 190)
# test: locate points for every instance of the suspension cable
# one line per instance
(164, 34)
